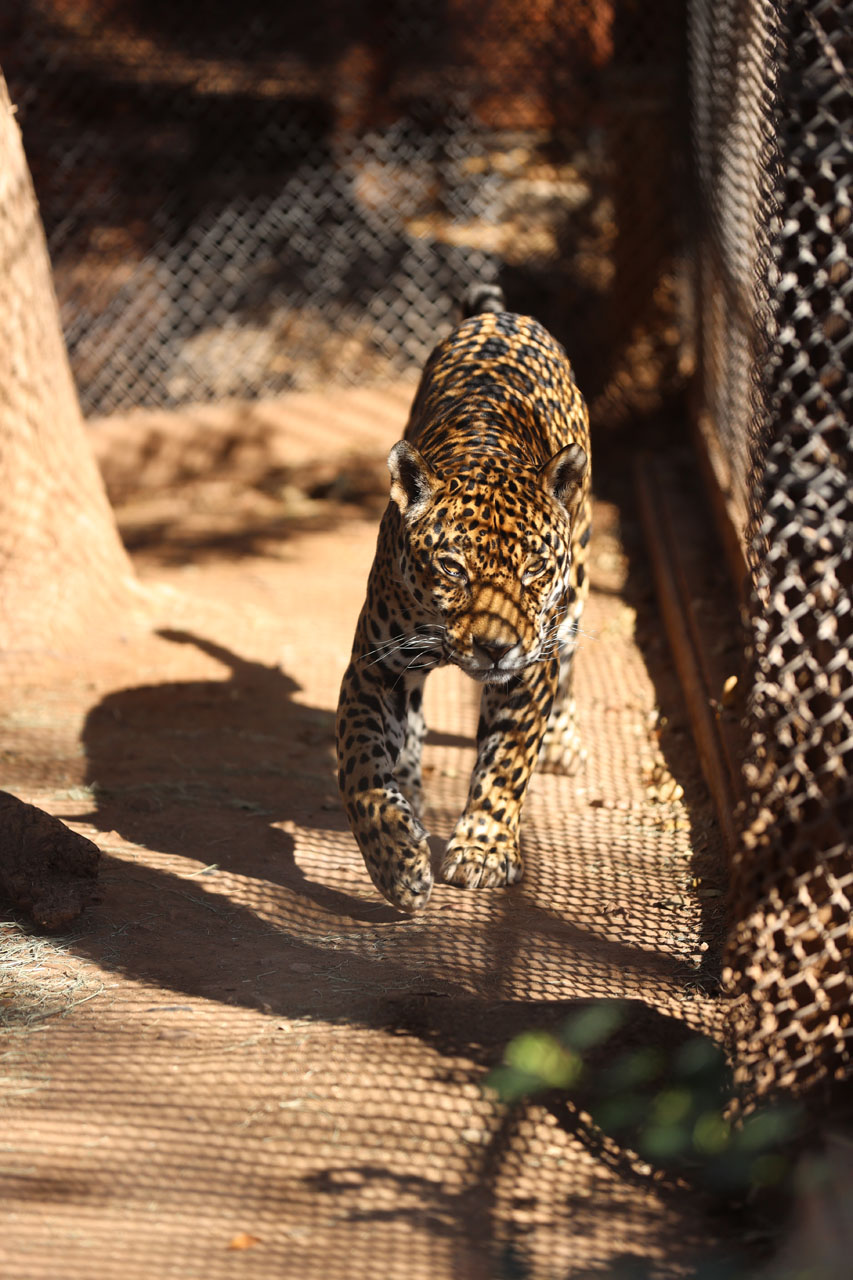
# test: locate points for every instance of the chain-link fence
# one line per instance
(773, 118)
(277, 197)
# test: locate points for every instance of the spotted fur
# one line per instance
(480, 562)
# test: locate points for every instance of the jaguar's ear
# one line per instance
(413, 481)
(563, 475)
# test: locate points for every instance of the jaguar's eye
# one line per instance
(534, 569)
(452, 568)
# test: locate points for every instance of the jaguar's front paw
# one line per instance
(481, 855)
(403, 875)
(476, 867)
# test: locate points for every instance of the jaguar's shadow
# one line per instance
(205, 769)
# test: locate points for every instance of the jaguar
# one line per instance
(480, 562)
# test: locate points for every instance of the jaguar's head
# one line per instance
(485, 553)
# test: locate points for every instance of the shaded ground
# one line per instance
(241, 1061)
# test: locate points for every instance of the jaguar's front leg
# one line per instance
(483, 850)
(379, 775)
(408, 770)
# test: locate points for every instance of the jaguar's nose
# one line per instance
(492, 650)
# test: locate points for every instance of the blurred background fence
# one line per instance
(278, 197)
(283, 195)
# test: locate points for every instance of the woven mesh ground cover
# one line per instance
(242, 1062)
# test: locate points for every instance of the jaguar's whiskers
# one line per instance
(418, 640)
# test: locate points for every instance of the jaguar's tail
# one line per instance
(481, 297)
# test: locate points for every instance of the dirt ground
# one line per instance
(241, 1062)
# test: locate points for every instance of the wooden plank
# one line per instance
(730, 515)
(689, 649)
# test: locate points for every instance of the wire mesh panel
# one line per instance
(282, 195)
(773, 107)
(733, 88)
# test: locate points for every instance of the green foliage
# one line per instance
(669, 1105)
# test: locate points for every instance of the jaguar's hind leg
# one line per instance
(562, 750)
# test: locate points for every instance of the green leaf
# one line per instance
(510, 1084)
(711, 1134)
(768, 1128)
(639, 1067)
(540, 1055)
(671, 1107)
(594, 1025)
(661, 1142)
